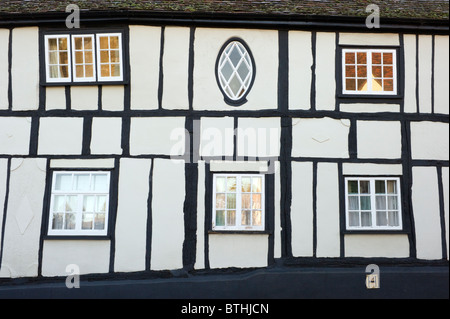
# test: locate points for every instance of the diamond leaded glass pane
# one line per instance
(235, 70)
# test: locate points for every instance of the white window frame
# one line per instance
(238, 226)
(94, 58)
(71, 59)
(373, 209)
(110, 78)
(245, 58)
(47, 59)
(78, 231)
(369, 74)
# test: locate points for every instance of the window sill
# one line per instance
(375, 232)
(123, 82)
(76, 237)
(239, 232)
(380, 98)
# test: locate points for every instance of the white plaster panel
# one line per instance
(145, 43)
(106, 136)
(426, 210)
(15, 135)
(364, 169)
(235, 250)
(217, 136)
(176, 68)
(239, 166)
(302, 209)
(300, 76)
(258, 137)
(200, 243)
(410, 103)
(378, 139)
(132, 213)
(84, 98)
(25, 68)
(325, 71)
(441, 75)
(264, 46)
(320, 137)
(23, 218)
(4, 68)
(3, 186)
(60, 136)
(82, 163)
(113, 97)
(369, 108)
(328, 231)
(91, 256)
(425, 72)
(446, 191)
(430, 140)
(379, 245)
(365, 38)
(167, 214)
(55, 98)
(157, 135)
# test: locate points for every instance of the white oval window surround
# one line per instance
(235, 71)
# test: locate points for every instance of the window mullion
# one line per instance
(373, 202)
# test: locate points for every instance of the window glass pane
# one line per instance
(377, 85)
(104, 42)
(362, 71)
(231, 218)
(365, 203)
(387, 58)
(350, 71)
(64, 71)
(353, 187)
(392, 202)
(231, 184)
(364, 187)
(82, 182)
(376, 58)
(99, 221)
(87, 221)
(100, 182)
(52, 44)
(69, 221)
(63, 58)
(381, 202)
(78, 43)
(114, 42)
(101, 204)
(104, 56)
(350, 84)
(89, 204)
(62, 42)
(231, 201)
(57, 221)
(115, 69)
(54, 71)
(394, 220)
(220, 218)
(388, 72)
(115, 56)
(88, 43)
(353, 203)
(63, 182)
(256, 201)
(89, 71)
(246, 184)
(71, 203)
(256, 218)
(88, 57)
(376, 72)
(380, 187)
(220, 201)
(381, 219)
(257, 185)
(53, 57)
(350, 58)
(246, 218)
(361, 57)
(388, 85)
(105, 70)
(79, 57)
(246, 201)
(79, 71)
(362, 84)
(392, 187)
(366, 219)
(220, 185)
(353, 219)
(59, 203)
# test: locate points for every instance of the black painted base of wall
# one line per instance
(430, 282)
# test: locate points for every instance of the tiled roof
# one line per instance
(404, 9)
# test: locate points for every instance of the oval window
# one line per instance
(235, 71)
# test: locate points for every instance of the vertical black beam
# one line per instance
(313, 71)
(442, 212)
(114, 198)
(45, 215)
(87, 135)
(10, 95)
(270, 216)
(5, 209)
(286, 143)
(433, 52)
(208, 210)
(34, 135)
(191, 68)
(341, 208)
(314, 189)
(148, 248)
(161, 69)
